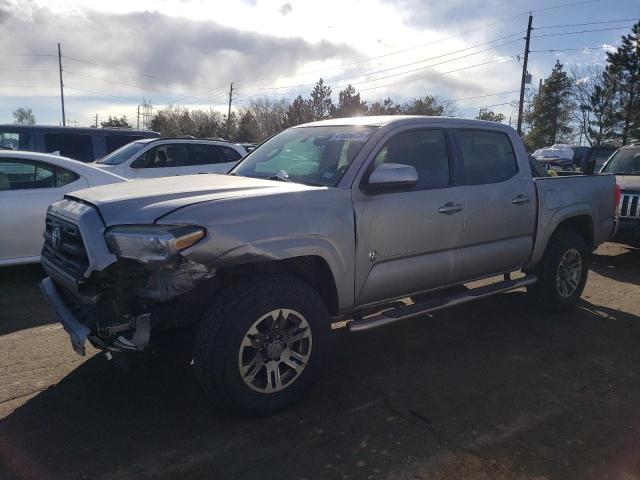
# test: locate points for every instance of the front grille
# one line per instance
(629, 206)
(63, 246)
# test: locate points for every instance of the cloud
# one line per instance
(285, 9)
(173, 51)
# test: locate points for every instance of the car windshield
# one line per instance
(309, 155)
(625, 161)
(122, 154)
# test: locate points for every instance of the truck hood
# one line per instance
(628, 182)
(144, 201)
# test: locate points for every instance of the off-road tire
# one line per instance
(546, 292)
(224, 326)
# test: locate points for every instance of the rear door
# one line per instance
(27, 188)
(209, 158)
(500, 204)
(409, 240)
(159, 161)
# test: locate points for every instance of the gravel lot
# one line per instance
(491, 390)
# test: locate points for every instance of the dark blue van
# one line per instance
(84, 144)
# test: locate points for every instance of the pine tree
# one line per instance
(490, 116)
(349, 104)
(247, 128)
(300, 111)
(321, 101)
(552, 109)
(624, 71)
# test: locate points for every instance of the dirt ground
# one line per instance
(491, 390)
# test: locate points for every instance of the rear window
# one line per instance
(72, 145)
(26, 175)
(14, 140)
(114, 142)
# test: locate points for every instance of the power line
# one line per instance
(604, 47)
(580, 31)
(27, 69)
(466, 32)
(401, 66)
(117, 82)
(132, 72)
(588, 23)
(27, 55)
(502, 59)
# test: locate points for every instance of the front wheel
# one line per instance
(261, 344)
(562, 272)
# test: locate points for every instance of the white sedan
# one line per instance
(29, 183)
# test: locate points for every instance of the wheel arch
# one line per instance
(576, 218)
(311, 269)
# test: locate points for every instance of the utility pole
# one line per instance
(96, 120)
(64, 122)
(229, 112)
(524, 75)
(138, 124)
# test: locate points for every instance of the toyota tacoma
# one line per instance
(327, 221)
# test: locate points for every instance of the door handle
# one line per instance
(450, 207)
(520, 199)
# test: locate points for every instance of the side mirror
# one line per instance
(392, 176)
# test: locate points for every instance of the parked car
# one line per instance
(558, 157)
(625, 164)
(163, 157)
(29, 183)
(593, 158)
(326, 221)
(83, 144)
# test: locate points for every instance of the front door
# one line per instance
(500, 204)
(408, 241)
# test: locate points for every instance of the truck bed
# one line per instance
(559, 198)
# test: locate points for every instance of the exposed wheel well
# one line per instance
(313, 270)
(582, 225)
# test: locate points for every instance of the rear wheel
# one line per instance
(261, 344)
(562, 272)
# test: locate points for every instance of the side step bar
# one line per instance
(433, 305)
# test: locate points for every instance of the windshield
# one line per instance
(309, 155)
(625, 161)
(122, 154)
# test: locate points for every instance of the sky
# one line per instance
(187, 52)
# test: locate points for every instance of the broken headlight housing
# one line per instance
(152, 243)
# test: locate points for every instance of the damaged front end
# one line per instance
(115, 286)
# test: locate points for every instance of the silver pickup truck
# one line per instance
(333, 220)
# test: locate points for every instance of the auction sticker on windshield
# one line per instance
(357, 136)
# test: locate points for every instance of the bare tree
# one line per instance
(24, 116)
(269, 115)
(595, 98)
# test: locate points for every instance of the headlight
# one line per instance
(152, 243)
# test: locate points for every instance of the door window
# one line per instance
(162, 156)
(72, 145)
(426, 150)
(488, 157)
(24, 175)
(229, 154)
